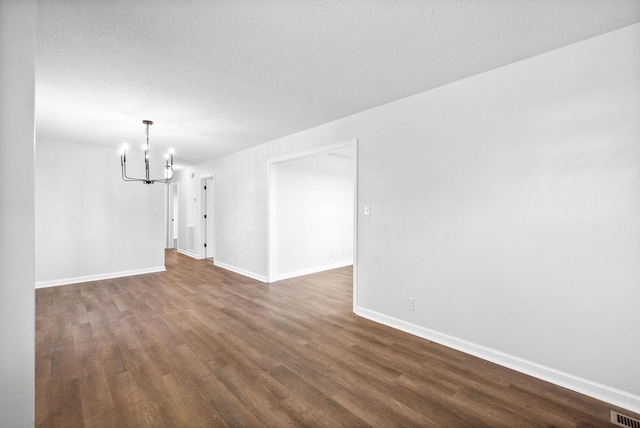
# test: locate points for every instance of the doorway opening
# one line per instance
(312, 212)
(172, 216)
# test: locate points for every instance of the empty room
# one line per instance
(320, 213)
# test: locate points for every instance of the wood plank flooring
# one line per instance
(199, 346)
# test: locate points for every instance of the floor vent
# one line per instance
(624, 421)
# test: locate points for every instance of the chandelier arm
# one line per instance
(123, 164)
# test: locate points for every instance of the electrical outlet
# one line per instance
(410, 303)
(367, 209)
(331, 254)
(107, 262)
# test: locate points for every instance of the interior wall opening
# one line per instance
(312, 207)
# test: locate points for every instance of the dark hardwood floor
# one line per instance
(201, 346)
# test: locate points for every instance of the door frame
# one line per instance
(172, 226)
(203, 210)
(271, 208)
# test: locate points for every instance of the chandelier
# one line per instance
(168, 164)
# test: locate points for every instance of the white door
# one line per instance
(172, 216)
(210, 220)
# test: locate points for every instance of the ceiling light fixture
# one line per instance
(168, 164)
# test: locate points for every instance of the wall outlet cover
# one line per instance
(410, 303)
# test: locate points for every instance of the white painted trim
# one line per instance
(313, 151)
(315, 269)
(202, 252)
(246, 273)
(271, 223)
(596, 390)
(110, 275)
(190, 254)
(355, 225)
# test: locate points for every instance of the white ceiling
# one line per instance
(217, 76)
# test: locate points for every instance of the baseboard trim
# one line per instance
(281, 276)
(596, 390)
(190, 254)
(240, 271)
(88, 278)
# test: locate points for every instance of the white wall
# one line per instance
(313, 214)
(85, 214)
(17, 50)
(506, 205)
(239, 210)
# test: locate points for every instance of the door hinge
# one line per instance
(205, 187)
(205, 245)
(205, 216)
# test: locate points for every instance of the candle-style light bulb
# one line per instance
(123, 153)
